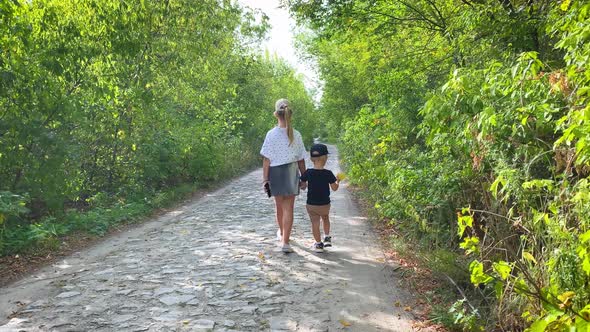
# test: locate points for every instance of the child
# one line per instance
(319, 181)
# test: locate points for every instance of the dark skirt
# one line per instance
(284, 180)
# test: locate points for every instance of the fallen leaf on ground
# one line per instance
(345, 323)
(261, 256)
(408, 309)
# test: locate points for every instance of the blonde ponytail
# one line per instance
(283, 110)
(288, 115)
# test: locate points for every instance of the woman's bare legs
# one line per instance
(279, 212)
(288, 204)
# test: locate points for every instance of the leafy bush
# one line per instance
(106, 103)
(12, 208)
(470, 118)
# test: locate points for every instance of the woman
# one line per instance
(284, 154)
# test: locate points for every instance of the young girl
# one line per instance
(283, 161)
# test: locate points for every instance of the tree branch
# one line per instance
(421, 14)
(440, 15)
(402, 19)
(432, 64)
(507, 6)
(468, 3)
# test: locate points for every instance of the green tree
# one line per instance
(446, 104)
(106, 103)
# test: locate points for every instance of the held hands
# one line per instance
(302, 185)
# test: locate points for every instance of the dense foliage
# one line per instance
(110, 108)
(476, 109)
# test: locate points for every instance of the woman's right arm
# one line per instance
(265, 169)
(265, 161)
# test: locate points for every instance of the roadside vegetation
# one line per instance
(466, 124)
(110, 109)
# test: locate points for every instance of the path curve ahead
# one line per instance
(214, 265)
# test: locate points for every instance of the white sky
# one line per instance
(281, 38)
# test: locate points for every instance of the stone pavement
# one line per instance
(215, 265)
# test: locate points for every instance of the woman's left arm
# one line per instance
(301, 165)
(301, 152)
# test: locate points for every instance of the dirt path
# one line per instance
(214, 265)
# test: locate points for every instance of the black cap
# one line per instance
(318, 150)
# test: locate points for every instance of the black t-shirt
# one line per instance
(318, 185)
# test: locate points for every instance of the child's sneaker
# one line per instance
(286, 248)
(318, 247)
(328, 241)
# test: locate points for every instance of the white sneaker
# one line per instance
(286, 248)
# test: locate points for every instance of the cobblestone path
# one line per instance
(215, 265)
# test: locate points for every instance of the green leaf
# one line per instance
(566, 298)
(582, 325)
(541, 324)
(585, 314)
(470, 245)
(503, 269)
(494, 187)
(553, 208)
(586, 265)
(538, 326)
(538, 184)
(529, 257)
(493, 120)
(463, 222)
(584, 237)
(478, 276)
